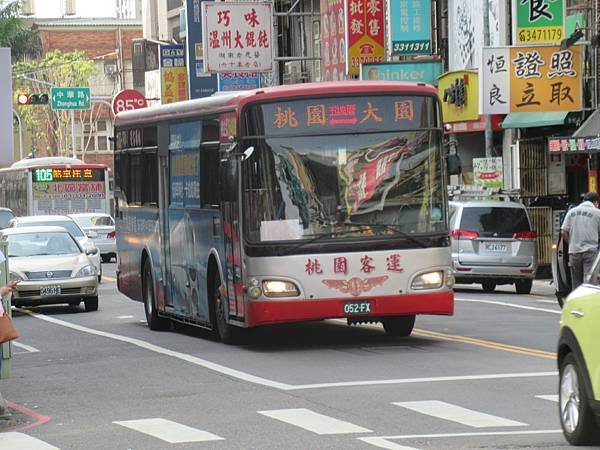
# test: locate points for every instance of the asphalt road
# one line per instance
(484, 378)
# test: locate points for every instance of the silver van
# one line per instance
(492, 244)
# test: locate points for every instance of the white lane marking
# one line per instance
(270, 383)
(474, 434)
(510, 305)
(493, 376)
(19, 441)
(312, 421)
(169, 431)
(26, 347)
(125, 317)
(550, 397)
(384, 443)
(552, 302)
(455, 413)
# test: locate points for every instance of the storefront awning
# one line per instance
(591, 126)
(534, 119)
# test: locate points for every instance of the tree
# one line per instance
(23, 41)
(51, 128)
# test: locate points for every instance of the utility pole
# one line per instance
(489, 142)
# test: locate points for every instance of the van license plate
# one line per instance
(496, 247)
(49, 290)
(352, 308)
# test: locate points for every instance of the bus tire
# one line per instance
(155, 322)
(398, 325)
(91, 303)
(228, 334)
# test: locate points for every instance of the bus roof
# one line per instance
(51, 161)
(237, 100)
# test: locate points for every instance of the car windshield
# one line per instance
(43, 243)
(5, 216)
(374, 184)
(495, 221)
(68, 225)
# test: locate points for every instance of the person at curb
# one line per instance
(580, 230)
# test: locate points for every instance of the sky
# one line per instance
(85, 8)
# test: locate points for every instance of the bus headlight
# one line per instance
(429, 280)
(279, 288)
(450, 280)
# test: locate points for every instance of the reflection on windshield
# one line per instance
(297, 187)
(37, 244)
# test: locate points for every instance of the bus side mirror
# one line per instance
(228, 180)
(453, 164)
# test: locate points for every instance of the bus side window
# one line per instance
(209, 163)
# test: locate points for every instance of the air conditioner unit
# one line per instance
(28, 8)
(110, 69)
(70, 8)
(293, 73)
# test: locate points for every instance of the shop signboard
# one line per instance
(238, 81)
(238, 37)
(173, 74)
(487, 172)
(584, 144)
(538, 21)
(201, 84)
(413, 71)
(366, 33)
(459, 93)
(540, 78)
(334, 48)
(410, 27)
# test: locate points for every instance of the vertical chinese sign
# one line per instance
(238, 37)
(366, 33)
(333, 40)
(410, 27)
(173, 74)
(538, 21)
(201, 83)
(531, 79)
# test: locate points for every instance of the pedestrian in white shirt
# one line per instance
(580, 230)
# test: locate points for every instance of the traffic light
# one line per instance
(32, 99)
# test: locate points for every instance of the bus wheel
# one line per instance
(155, 322)
(227, 333)
(399, 325)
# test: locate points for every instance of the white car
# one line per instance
(70, 225)
(100, 228)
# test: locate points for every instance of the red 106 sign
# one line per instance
(127, 100)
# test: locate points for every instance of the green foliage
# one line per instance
(48, 127)
(23, 40)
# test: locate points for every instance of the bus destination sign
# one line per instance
(48, 174)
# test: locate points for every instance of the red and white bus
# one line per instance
(285, 204)
(55, 185)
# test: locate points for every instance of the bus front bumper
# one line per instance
(263, 312)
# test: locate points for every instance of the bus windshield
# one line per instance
(372, 184)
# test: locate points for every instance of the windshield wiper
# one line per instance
(394, 228)
(316, 238)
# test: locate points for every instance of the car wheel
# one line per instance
(228, 334)
(488, 286)
(399, 325)
(155, 322)
(523, 286)
(91, 303)
(576, 417)
(74, 303)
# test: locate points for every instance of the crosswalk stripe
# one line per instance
(169, 431)
(18, 441)
(315, 422)
(384, 443)
(551, 397)
(458, 414)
